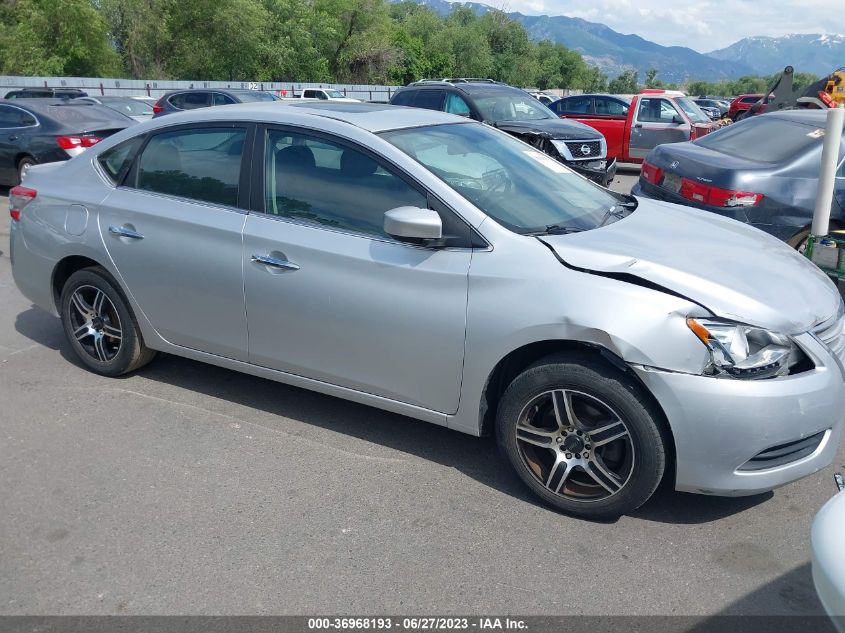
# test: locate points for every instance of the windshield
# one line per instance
(335, 94)
(692, 110)
(511, 106)
(766, 139)
(520, 187)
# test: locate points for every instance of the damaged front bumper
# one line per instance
(744, 437)
(601, 171)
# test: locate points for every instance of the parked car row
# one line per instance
(632, 128)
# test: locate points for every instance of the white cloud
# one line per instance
(704, 25)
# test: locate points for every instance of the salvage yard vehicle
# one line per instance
(136, 109)
(436, 267)
(632, 129)
(191, 99)
(762, 171)
(45, 93)
(828, 549)
(324, 94)
(514, 111)
(35, 131)
(741, 105)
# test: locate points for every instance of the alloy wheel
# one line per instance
(575, 445)
(95, 323)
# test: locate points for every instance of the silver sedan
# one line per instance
(438, 268)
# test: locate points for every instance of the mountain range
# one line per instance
(614, 52)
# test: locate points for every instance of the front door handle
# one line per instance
(275, 263)
(14, 137)
(122, 231)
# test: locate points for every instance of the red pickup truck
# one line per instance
(633, 128)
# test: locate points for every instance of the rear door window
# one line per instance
(218, 99)
(430, 99)
(606, 106)
(202, 164)
(116, 161)
(577, 105)
(11, 117)
(403, 98)
(763, 139)
(191, 100)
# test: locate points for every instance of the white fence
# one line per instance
(155, 88)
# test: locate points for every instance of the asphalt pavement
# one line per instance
(190, 489)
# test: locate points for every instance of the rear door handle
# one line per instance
(275, 263)
(122, 231)
(14, 137)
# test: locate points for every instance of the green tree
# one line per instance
(626, 83)
(56, 37)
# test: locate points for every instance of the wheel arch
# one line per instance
(62, 271)
(519, 359)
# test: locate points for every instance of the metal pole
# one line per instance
(827, 175)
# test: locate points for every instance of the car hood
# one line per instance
(735, 271)
(558, 129)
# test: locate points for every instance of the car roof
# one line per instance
(373, 117)
(229, 90)
(468, 87)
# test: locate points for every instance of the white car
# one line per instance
(325, 94)
(828, 547)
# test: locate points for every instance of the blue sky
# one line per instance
(703, 25)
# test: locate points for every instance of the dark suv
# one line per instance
(521, 115)
(46, 93)
(178, 100)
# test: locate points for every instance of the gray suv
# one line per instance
(432, 266)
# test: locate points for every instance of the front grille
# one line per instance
(783, 453)
(832, 334)
(584, 149)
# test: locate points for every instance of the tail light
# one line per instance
(74, 142)
(157, 107)
(651, 174)
(693, 133)
(19, 197)
(717, 197)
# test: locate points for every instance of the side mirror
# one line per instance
(413, 223)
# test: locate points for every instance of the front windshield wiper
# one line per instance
(557, 229)
(619, 209)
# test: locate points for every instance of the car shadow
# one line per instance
(786, 604)
(478, 458)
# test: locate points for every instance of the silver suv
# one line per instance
(439, 268)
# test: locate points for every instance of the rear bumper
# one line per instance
(601, 171)
(721, 424)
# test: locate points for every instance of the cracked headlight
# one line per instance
(743, 351)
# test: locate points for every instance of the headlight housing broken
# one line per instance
(745, 352)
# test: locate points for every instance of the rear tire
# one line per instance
(99, 324)
(23, 166)
(582, 436)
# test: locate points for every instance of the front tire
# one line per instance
(100, 326)
(582, 436)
